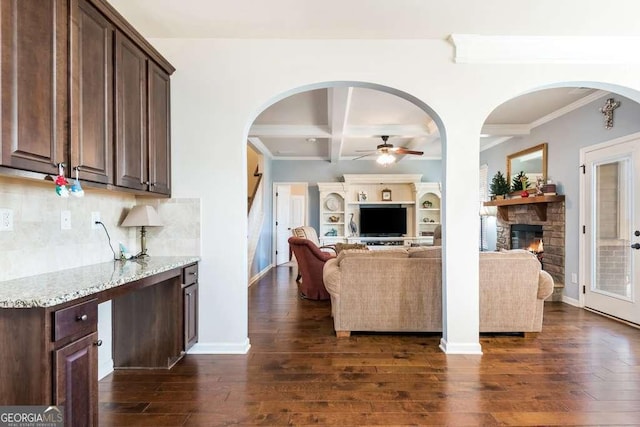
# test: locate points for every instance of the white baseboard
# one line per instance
(460, 348)
(258, 276)
(221, 348)
(105, 368)
(571, 301)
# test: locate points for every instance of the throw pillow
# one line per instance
(343, 246)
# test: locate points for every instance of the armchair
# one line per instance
(309, 233)
(310, 265)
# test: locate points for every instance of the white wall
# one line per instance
(221, 85)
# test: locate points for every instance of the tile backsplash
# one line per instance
(37, 244)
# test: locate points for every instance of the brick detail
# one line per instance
(553, 234)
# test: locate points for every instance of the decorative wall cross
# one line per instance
(607, 111)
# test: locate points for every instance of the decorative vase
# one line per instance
(353, 228)
(524, 194)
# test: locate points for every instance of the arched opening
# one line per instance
(321, 132)
(585, 232)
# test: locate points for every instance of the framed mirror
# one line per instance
(532, 161)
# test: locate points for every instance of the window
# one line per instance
(483, 196)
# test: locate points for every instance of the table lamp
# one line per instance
(142, 216)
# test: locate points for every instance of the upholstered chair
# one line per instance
(310, 264)
(309, 233)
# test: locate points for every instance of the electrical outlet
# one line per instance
(574, 277)
(65, 220)
(95, 216)
(6, 220)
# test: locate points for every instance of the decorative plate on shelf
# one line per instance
(332, 204)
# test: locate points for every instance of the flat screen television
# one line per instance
(388, 221)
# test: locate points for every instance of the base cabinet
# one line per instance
(49, 355)
(190, 303)
(76, 367)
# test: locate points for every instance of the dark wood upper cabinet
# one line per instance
(159, 130)
(34, 84)
(81, 86)
(131, 114)
(91, 93)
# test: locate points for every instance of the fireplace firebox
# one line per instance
(526, 236)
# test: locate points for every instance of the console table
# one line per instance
(48, 329)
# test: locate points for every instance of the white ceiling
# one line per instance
(379, 19)
(343, 123)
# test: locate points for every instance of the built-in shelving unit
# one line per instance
(343, 200)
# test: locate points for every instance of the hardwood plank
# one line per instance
(581, 369)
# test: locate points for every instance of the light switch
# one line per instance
(6, 219)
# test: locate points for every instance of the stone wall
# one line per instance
(553, 234)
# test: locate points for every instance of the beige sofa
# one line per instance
(400, 290)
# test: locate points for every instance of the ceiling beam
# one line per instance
(338, 106)
(260, 147)
(290, 131)
(391, 130)
(506, 130)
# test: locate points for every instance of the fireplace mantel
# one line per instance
(539, 204)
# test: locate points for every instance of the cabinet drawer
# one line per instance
(79, 318)
(190, 275)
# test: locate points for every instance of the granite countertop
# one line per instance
(47, 290)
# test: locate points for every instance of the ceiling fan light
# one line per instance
(385, 159)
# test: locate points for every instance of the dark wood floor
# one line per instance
(582, 369)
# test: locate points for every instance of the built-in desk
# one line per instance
(48, 329)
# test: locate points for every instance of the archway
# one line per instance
(338, 89)
(567, 129)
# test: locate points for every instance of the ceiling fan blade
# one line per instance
(402, 150)
(365, 155)
(366, 151)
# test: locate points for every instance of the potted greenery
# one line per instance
(520, 183)
(499, 186)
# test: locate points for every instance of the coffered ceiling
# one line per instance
(345, 123)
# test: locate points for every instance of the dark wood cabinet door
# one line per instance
(131, 114)
(91, 93)
(76, 385)
(159, 130)
(34, 84)
(190, 316)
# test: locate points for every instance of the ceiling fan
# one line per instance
(386, 152)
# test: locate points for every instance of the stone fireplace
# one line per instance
(549, 216)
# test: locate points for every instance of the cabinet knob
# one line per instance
(152, 184)
(98, 343)
(82, 318)
(144, 182)
(194, 273)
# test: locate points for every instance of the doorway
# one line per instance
(611, 235)
(290, 211)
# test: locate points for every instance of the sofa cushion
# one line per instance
(365, 253)
(426, 252)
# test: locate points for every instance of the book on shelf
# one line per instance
(550, 194)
